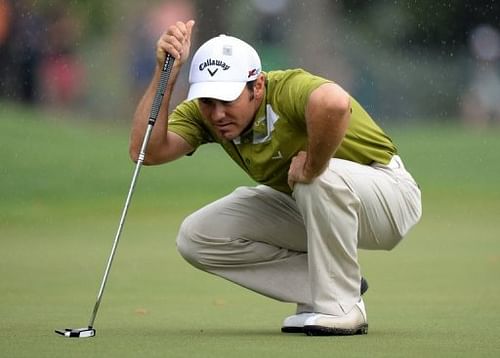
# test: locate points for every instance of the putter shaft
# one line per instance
(155, 108)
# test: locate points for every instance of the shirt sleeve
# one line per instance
(186, 121)
(293, 92)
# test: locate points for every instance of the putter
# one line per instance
(89, 331)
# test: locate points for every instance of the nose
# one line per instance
(218, 111)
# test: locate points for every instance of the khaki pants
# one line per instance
(304, 248)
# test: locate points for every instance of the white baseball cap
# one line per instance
(221, 67)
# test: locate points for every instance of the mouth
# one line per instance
(224, 127)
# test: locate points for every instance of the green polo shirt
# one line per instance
(279, 130)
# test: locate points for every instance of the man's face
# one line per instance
(230, 119)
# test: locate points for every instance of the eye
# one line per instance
(206, 101)
(211, 102)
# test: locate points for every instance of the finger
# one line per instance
(163, 48)
(182, 28)
(185, 28)
(170, 44)
(291, 178)
(180, 36)
(189, 27)
(178, 32)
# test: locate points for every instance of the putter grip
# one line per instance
(162, 85)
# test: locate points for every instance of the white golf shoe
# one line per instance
(295, 323)
(352, 323)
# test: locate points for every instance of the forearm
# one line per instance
(162, 146)
(142, 113)
(327, 121)
(325, 136)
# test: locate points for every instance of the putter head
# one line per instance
(85, 332)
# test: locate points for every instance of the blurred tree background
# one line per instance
(406, 61)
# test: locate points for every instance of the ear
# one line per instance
(260, 86)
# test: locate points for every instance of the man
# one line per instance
(330, 180)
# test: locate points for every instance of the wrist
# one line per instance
(313, 170)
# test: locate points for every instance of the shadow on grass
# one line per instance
(246, 333)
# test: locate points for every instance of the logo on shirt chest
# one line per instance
(277, 155)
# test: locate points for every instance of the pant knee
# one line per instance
(186, 242)
(331, 189)
(305, 192)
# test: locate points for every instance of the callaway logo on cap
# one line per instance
(211, 63)
(221, 67)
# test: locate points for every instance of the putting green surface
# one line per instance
(62, 188)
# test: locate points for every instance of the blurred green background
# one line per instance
(71, 73)
(406, 61)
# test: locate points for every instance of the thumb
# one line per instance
(189, 27)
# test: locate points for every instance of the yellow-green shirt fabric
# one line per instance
(279, 130)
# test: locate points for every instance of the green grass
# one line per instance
(62, 187)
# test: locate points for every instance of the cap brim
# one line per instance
(224, 91)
